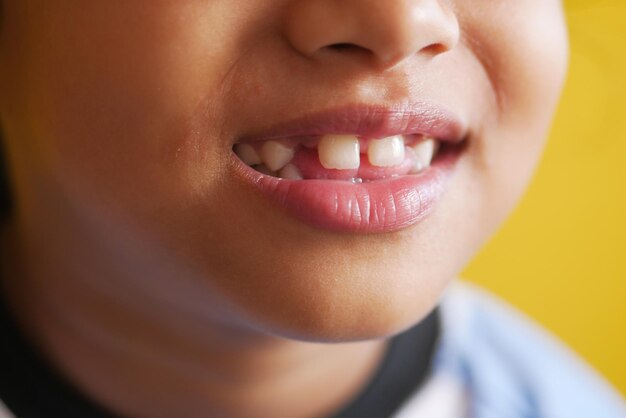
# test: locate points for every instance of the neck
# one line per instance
(154, 344)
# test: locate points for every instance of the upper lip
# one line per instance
(370, 121)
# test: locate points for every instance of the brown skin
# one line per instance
(164, 287)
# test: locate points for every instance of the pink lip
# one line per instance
(371, 122)
(376, 207)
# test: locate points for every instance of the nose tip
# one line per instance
(389, 31)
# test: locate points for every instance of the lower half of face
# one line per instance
(325, 169)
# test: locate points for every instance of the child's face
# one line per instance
(125, 113)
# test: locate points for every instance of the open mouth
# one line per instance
(356, 170)
(340, 157)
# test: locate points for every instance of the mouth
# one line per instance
(358, 169)
(340, 157)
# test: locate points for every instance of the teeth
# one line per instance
(340, 152)
(387, 152)
(247, 154)
(424, 153)
(276, 155)
(290, 172)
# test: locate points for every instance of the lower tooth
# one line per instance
(290, 172)
(417, 168)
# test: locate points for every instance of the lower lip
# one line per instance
(380, 206)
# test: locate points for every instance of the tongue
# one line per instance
(310, 167)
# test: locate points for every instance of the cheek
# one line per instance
(526, 62)
(526, 68)
(113, 110)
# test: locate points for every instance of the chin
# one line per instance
(335, 301)
(370, 318)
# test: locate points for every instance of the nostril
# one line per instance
(346, 47)
(434, 49)
(375, 33)
(342, 46)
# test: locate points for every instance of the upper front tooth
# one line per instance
(340, 152)
(247, 154)
(424, 153)
(387, 152)
(276, 155)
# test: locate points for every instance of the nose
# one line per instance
(389, 31)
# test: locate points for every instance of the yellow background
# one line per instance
(561, 258)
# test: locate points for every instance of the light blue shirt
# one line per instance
(509, 367)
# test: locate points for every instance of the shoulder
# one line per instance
(509, 363)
